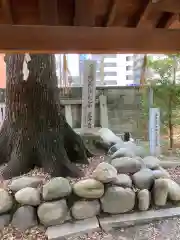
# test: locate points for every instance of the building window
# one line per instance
(113, 74)
(110, 55)
(129, 77)
(106, 74)
(129, 68)
(110, 64)
(129, 58)
(110, 82)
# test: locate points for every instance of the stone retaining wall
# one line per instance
(123, 107)
(126, 185)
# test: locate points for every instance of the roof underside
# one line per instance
(96, 26)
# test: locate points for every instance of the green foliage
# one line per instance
(166, 89)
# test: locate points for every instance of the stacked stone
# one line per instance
(124, 185)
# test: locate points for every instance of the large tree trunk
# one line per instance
(35, 132)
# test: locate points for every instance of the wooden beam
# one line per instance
(164, 19)
(55, 39)
(84, 13)
(150, 16)
(102, 8)
(168, 5)
(6, 9)
(111, 15)
(66, 12)
(173, 22)
(119, 13)
(48, 12)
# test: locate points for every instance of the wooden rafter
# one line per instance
(102, 12)
(87, 39)
(118, 13)
(149, 17)
(136, 15)
(173, 22)
(6, 8)
(138, 24)
(111, 14)
(49, 12)
(84, 13)
(165, 18)
(168, 5)
(66, 12)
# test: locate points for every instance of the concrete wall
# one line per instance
(123, 104)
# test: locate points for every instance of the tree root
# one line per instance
(6, 138)
(53, 151)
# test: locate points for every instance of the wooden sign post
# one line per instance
(154, 131)
(88, 95)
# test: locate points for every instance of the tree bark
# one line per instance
(35, 132)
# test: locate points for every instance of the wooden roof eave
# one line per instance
(54, 39)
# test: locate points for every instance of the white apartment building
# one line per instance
(107, 72)
(112, 69)
(117, 69)
(125, 69)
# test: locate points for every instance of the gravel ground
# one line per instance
(161, 230)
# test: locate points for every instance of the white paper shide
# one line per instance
(27, 59)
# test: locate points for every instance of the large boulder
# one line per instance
(53, 213)
(123, 152)
(115, 147)
(130, 145)
(165, 188)
(85, 209)
(105, 173)
(151, 162)
(126, 165)
(56, 188)
(144, 199)
(108, 137)
(143, 179)
(160, 192)
(6, 201)
(123, 180)
(107, 159)
(89, 188)
(4, 221)
(24, 218)
(140, 151)
(22, 182)
(28, 196)
(138, 158)
(161, 173)
(118, 200)
(173, 190)
(127, 149)
(169, 164)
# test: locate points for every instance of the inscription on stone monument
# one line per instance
(88, 94)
